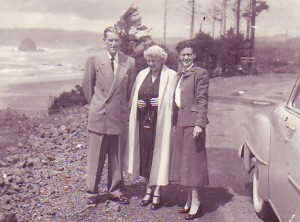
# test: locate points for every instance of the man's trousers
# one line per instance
(100, 146)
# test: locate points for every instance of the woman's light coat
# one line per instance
(161, 156)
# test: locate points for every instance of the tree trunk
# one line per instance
(253, 19)
(165, 22)
(252, 30)
(224, 16)
(192, 19)
(221, 21)
(238, 16)
(213, 24)
(215, 18)
(248, 19)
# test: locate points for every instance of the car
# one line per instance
(271, 150)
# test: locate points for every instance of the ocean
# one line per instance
(29, 80)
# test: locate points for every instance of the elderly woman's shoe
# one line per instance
(93, 200)
(184, 211)
(156, 206)
(146, 202)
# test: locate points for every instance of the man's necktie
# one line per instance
(112, 63)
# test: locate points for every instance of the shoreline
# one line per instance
(34, 97)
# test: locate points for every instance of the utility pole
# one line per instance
(192, 19)
(165, 22)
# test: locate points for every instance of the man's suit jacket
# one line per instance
(108, 93)
(193, 98)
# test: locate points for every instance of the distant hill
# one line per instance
(277, 38)
(294, 43)
(279, 42)
(171, 42)
(52, 38)
(58, 38)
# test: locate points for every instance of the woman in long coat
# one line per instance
(150, 125)
(189, 160)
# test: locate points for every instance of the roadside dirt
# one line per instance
(61, 196)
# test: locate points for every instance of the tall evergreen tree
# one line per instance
(134, 35)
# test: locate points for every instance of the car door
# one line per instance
(284, 168)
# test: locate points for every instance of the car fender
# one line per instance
(257, 138)
(255, 150)
(245, 154)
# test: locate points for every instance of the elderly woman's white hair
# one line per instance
(156, 51)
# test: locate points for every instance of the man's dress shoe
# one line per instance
(120, 199)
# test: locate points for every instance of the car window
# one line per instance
(296, 101)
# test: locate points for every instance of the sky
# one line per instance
(282, 17)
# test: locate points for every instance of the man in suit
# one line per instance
(107, 84)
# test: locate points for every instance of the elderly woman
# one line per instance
(150, 124)
(189, 160)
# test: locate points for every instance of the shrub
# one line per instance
(67, 99)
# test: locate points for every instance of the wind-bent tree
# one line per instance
(134, 35)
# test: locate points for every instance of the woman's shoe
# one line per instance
(93, 200)
(155, 206)
(194, 216)
(145, 203)
(184, 211)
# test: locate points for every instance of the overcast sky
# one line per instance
(94, 15)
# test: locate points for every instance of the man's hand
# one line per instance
(154, 102)
(197, 131)
(141, 104)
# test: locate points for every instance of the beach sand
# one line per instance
(33, 98)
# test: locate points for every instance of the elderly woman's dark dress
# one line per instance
(147, 127)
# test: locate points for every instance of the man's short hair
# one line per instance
(110, 29)
(186, 44)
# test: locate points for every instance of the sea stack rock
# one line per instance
(27, 44)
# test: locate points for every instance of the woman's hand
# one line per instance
(197, 131)
(154, 102)
(141, 104)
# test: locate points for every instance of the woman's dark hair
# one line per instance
(186, 44)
